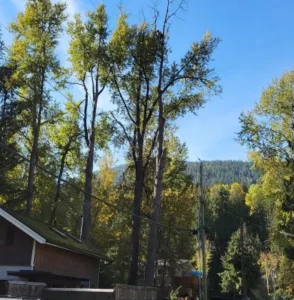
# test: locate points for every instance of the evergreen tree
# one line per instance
(231, 277)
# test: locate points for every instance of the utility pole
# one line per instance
(203, 235)
(243, 271)
(199, 249)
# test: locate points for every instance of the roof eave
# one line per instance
(42, 240)
(22, 227)
(81, 252)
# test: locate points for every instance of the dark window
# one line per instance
(10, 235)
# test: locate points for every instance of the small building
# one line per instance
(166, 271)
(170, 275)
(35, 252)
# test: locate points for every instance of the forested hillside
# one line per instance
(224, 171)
(216, 171)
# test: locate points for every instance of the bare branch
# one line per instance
(154, 8)
(123, 99)
(151, 150)
(102, 89)
(151, 110)
(146, 103)
(166, 17)
(85, 112)
(182, 6)
(74, 83)
(27, 139)
(93, 84)
(129, 139)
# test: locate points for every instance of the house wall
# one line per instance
(20, 252)
(63, 262)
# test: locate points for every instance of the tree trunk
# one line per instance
(165, 261)
(31, 178)
(58, 187)
(37, 118)
(89, 175)
(88, 192)
(3, 111)
(152, 245)
(33, 158)
(136, 225)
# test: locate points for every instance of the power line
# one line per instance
(92, 3)
(119, 209)
(80, 189)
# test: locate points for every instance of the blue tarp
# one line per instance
(195, 274)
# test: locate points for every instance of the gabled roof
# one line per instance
(44, 234)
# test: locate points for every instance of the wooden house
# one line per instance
(35, 252)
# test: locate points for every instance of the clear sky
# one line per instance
(257, 46)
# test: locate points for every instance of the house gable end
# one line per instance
(22, 227)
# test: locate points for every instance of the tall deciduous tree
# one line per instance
(269, 131)
(134, 55)
(32, 54)
(88, 56)
(179, 88)
(149, 88)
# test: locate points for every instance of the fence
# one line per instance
(127, 292)
(21, 289)
(120, 292)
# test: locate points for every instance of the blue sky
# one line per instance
(257, 46)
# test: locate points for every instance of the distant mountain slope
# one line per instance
(217, 171)
(224, 171)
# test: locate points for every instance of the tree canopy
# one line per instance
(57, 145)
